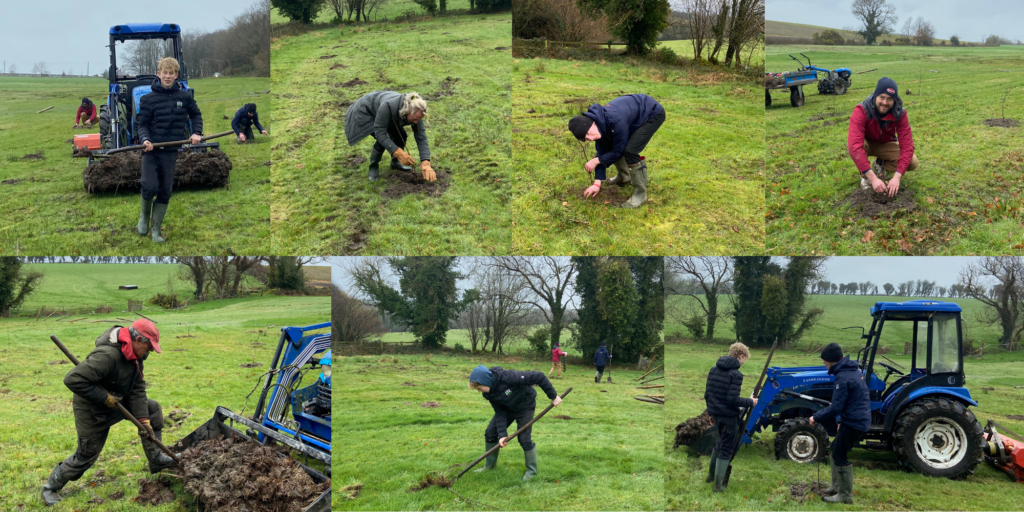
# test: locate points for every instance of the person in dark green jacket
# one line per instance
(111, 373)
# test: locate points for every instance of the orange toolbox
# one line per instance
(90, 141)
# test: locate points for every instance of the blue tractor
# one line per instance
(836, 81)
(922, 415)
(117, 116)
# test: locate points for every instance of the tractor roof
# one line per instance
(137, 29)
(916, 306)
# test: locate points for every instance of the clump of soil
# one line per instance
(12, 181)
(69, 141)
(324, 57)
(500, 48)
(253, 364)
(354, 82)
(407, 384)
(97, 500)
(339, 66)
(1002, 123)
(355, 161)
(123, 171)
(234, 474)
(403, 183)
(59, 361)
(352, 491)
(610, 195)
(226, 117)
(444, 90)
(869, 203)
(1017, 417)
(431, 405)
(80, 152)
(802, 491)
(692, 429)
(562, 417)
(154, 492)
(177, 417)
(824, 115)
(38, 155)
(116, 495)
(430, 480)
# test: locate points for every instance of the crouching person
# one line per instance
(724, 403)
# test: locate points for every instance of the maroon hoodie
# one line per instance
(864, 127)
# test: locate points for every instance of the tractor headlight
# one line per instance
(327, 372)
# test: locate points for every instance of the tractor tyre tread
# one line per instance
(789, 428)
(909, 420)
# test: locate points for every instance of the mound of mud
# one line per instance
(444, 89)
(352, 83)
(80, 152)
(611, 195)
(1002, 123)
(404, 183)
(339, 66)
(234, 474)
(869, 204)
(154, 492)
(122, 172)
(38, 155)
(803, 491)
(691, 429)
(430, 480)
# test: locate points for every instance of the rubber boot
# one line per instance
(639, 180)
(622, 177)
(833, 487)
(143, 227)
(491, 460)
(845, 494)
(531, 463)
(375, 157)
(158, 460)
(721, 468)
(711, 468)
(53, 485)
(396, 165)
(159, 210)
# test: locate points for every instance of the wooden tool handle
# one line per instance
(167, 144)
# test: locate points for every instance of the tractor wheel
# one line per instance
(767, 99)
(798, 441)
(938, 437)
(841, 87)
(796, 96)
(104, 127)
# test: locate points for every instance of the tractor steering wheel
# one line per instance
(890, 370)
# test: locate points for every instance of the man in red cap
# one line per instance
(111, 373)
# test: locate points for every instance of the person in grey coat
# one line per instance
(385, 114)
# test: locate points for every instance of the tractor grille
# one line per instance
(323, 397)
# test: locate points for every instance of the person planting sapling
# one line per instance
(385, 114)
(880, 127)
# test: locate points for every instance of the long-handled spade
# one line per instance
(746, 417)
(124, 412)
(139, 147)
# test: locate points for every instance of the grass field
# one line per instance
(705, 192)
(193, 374)
(607, 457)
(684, 48)
(324, 205)
(964, 198)
(787, 29)
(389, 11)
(759, 482)
(49, 212)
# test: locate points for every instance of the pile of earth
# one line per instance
(869, 204)
(123, 171)
(235, 474)
(692, 429)
(401, 183)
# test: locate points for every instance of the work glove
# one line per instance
(428, 172)
(403, 157)
(146, 433)
(111, 401)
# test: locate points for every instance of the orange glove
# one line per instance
(111, 401)
(404, 157)
(428, 172)
(149, 429)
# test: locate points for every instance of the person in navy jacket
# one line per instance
(243, 122)
(620, 130)
(851, 409)
(601, 359)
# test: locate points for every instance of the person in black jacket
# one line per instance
(601, 359)
(722, 396)
(164, 116)
(512, 397)
(242, 124)
(851, 409)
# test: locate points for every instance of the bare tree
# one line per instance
(746, 22)
(709, 273)
(924, 32)
(877, 16)
(1005, 300)
(13, 69)
(506, 301)
(39, 68)
(549, 278)
(352, 321)
(701, 16)
(193, 269)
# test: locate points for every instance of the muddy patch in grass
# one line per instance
(803, 491)
(352, 492)
(1002, 123)
(339, 66)
(562, 417)
(430, 480)
(691, 429)
(1017, 417)
(12, 181)
(352, 83)
(431, 405)
(357, 240)
(38, 155)
(325, 57)
(444, 89)
(501, 48)
(155, 492)
(116, 495)
(59, 361)
(123, 171)
(355, 161)
(407, 384)
(80, 152)
(611, 195)
(869, 204)
(253, 364)
(402, 183)
(824, 115)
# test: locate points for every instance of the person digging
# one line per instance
(243, 122)
(601, 359)
(723, 400)
(86, 114)
(620, 130)
(879, 127)
(111, 373)
(513, 398)
(556, 360)
(385, 114)
(851, 409)
(163, 116)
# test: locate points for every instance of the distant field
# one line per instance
(787, 29)
(317, 276)
(684, 48)
(390, 10)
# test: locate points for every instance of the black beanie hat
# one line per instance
(250, 108)
(887, 86)
(86, 101)
(579, 126)
(832, 353)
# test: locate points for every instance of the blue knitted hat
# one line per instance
(481, 375)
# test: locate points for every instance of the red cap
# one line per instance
(147, 329)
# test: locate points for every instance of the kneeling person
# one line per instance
(385, 114)
(879, 127)
(243, 122)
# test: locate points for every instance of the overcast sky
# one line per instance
(970, 20)
(66, 34)
(943, 270)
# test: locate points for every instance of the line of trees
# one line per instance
(730, 25)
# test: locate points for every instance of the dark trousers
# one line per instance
(600, 370)
(247, 131)
(728, 429)
(521, 418)
(844, 441)
(91, 441)
(397, 135)
(638, 139)
(158, 175)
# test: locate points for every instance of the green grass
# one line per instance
(390, 10)
(705, 163)
(324, 206)
(608, 457)
(194, 374)
(759, 482)
(966, 201)
(49, 212)
(684, 48)
(787, 29)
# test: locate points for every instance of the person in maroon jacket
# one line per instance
(86, 113)
(879, 127)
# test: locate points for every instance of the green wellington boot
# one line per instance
(622, 177)
(143, 227)
(639, 174)
(375, 157)
(711, 467)
(158, 460)
(721, 468)
(159, 210)
(531, 463)
(833, 487)
(53, 485)
(491, 460)
(845, 493)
